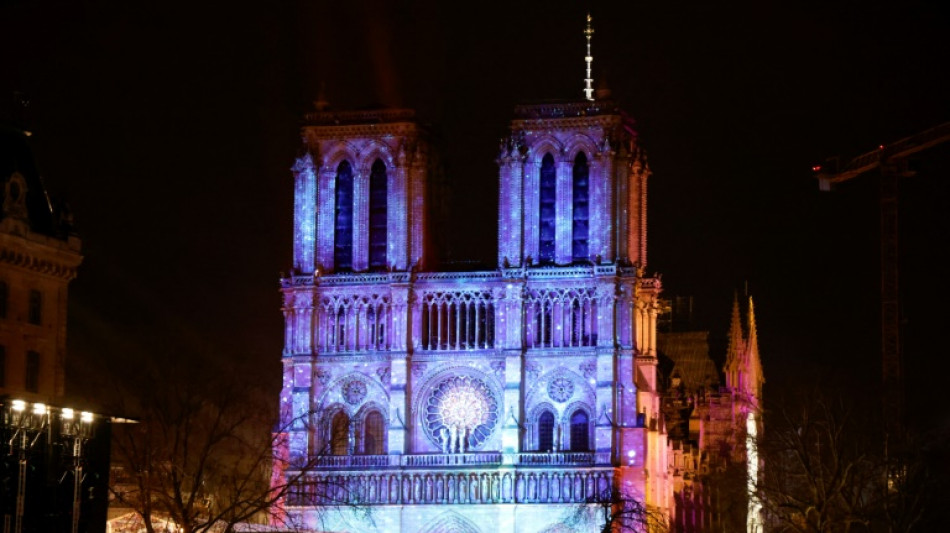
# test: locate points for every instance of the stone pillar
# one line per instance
(530, 228)
(305, 213)
(402, 309)
(564, 209)
(608, 225)
(326, 193)
(360, 218)
(397, 214)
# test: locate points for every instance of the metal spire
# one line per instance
(589, 80)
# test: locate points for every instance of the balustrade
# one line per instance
(457, 487)
(465, 459)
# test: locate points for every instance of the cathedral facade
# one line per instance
(501, 400)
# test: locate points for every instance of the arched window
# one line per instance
(343, 218)
(580, 431)
(546, 432)
(579, 234)
(373, 434)
(377, 216)
(340, 434)
(547, 198)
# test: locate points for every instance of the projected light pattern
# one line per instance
(462, 406)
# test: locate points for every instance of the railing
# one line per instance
(356, 461)
(473, 487)
(465, 459)
(568, 458)
(458, 459)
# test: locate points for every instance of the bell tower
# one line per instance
(573, 187)
(361, 193)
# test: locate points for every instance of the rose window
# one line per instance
(354, 391)
(561, 389)
(463, 406)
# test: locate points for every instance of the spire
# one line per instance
(757, 378)
(735, 330)
(589, 80)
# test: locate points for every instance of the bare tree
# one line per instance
(819, 472)
(612, 511)
(202, 454)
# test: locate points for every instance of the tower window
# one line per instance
(546, 432)
(32, 381)
(580, 432)
(547, 198)
(36, 307)
(580, 227)
(377, 216)
(343, 218)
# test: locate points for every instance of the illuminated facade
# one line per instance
(39, 256)
(480, 401)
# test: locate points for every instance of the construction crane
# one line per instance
(892, 161)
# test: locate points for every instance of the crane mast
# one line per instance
(891, 161)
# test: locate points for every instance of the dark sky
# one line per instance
(170, 127)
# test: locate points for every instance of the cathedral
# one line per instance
(536, 396)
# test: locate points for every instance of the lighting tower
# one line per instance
(891, 159)
(589, 80)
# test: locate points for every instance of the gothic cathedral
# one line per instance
(501, 400)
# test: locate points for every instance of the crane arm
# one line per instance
(885, 153)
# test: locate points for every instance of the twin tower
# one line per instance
(572, 190)
(524, 389)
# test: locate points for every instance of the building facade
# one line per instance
(39, 256)
(495, 400)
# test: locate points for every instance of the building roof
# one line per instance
(16, 156)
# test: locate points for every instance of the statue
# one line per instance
(453, 437)
(444, 433)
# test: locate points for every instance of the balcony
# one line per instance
(438, 460)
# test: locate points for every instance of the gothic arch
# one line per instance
(536, 411)
(341, 151)
(359, 421)
(376, 150)
(352, 400)
(541, 146)
(577, 143)
(451, 522)
(582, 391)
(567, 422)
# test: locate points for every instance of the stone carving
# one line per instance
(561, 389)
(418, 369)
(323, 376)
(383, 374)
(354, 391)
(588, 368)
(533, 368)
(499, 368)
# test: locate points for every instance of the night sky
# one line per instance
(171, 126)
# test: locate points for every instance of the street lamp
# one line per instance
(27, 425)
(76, 432)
